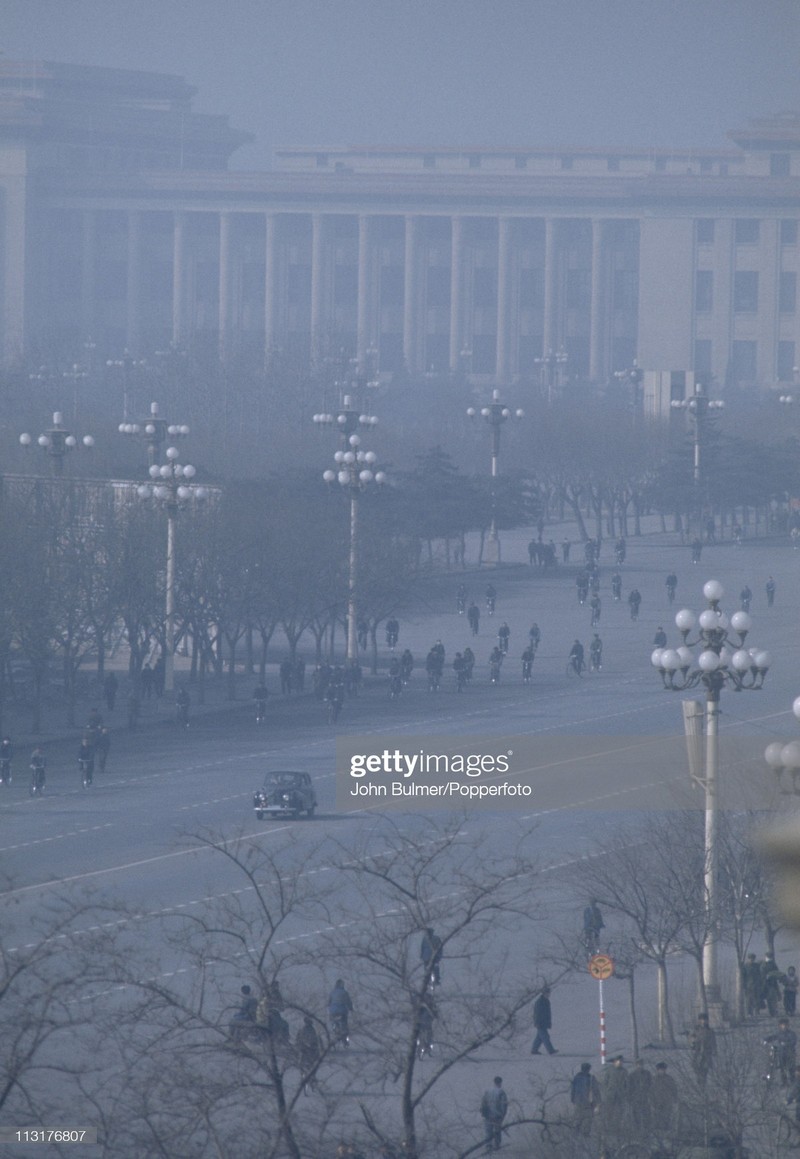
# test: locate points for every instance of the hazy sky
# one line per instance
(482, 72)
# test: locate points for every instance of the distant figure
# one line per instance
(593, 925)
(770, 590)
(584, 1094)
(494, 1107)
(110, 685)
(703, 1047)
(543, 1021)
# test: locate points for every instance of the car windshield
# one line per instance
(283, 780)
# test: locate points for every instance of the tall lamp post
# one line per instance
(632, 377)
(496, 414)
(57, 441)
(354, 473)
(551, 365)
(699, 406)
(715, 667)
(171, 487)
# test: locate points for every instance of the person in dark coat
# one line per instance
(543, 1021)
(494, 1107)
(584, 1094)
(110, 685)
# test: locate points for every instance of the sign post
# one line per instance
(601, 966)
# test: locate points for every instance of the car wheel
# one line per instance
(259, 814)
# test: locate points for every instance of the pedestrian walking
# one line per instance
(110, 686)
(770, 984)
(614, 1092)
(769, 587)
(663, 1100)
(703, 1047)
(543, 1021)
(584, 1094)
(102, 744)
(634, 603)
(494, 1108)
(785, 1043)
(660, 638)
(639, 1087)
(751, 984)
(474, 617)
(790, 983)
(697, 549)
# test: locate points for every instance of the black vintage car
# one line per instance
(285, 794)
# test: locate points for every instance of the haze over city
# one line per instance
(509, 72)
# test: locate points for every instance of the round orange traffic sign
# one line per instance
(601, 966)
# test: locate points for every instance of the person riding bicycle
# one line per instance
(491, 598)
(474, 617)
(469, 663)
(433, 667)
(785, 1043)
(461, 598)
(38, 769)
(406, 665)
(527, 663)
(395, 677)
(620, 549)
(672, 582)
(340, 1006)
(660, 638)
(334, 693)
(596, 653)
(260, 697)
(582, 584)
(616, 586)
(634, 602)
(745, 595)
(503, 633)
(535, 636)
(576, 656)
(86, 760)
(460, 670)
(392, 633)
(182, 707)
(6, 753)
(595, 606)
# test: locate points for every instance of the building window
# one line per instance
(704, 291)
(786, 361)
(705, 230)
(579, 289)
(746, 230)
(744, 359)
(779, 164)
(745, 291)
(789, 231)
(702, 359)
(787, 292)
(485, 289)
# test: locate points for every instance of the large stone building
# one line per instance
(121, 221)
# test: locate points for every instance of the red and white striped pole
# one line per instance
(602, 1026)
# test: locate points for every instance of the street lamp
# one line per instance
(154, 430)
(126, 364)
(784, 756)
(551, 365)
(495, 415)
(170, 488)
(57, 441)
(355, 471)
(633, 377)
(699, 406)
(721, 662)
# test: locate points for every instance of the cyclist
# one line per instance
(474, 617)
(38, 772)
(582, 584)
(596, 654)
(460, 670)
(745, 596)
(634, 602)
(594, 604)
(620, 550)
(535, 636)
(461, 599)
(672, 582)
(340, 1006)
(395, 678)
(392, 633)
(406, 666)
(182, 707)
(469, 663)
(334, 695)
(86, 761)
(576, 657)
(660, 638)
(433, 667)
(527, 664)
(491, 598)
(260, 697)
(616, 586)
(495, 663)
(6, 753)
(503, 634)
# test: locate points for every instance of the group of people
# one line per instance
(625, 1101)
(766, 986)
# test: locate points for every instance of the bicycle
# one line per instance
(5, 771)
(575, 666)
(86, 769)
(37, 781)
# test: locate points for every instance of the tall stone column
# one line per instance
(179, 279)
(271, 288)
(597, 369)
(318, 319)
(13, 245)
(549, 340)
(88, 278)
(410, 296)
(225, 311)
(134, 284)
(457, 336)
(503, 298)
(364, 308)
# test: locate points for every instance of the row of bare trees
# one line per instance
(122, 1019)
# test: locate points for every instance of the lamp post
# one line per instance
(354, 473)
(170, 487)
(496, 414)
(551, 365)
(126, 364)
(632, 377)
(784, 756)
(57, 441)
(715, 667)
(781, 843)
(698, 406)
